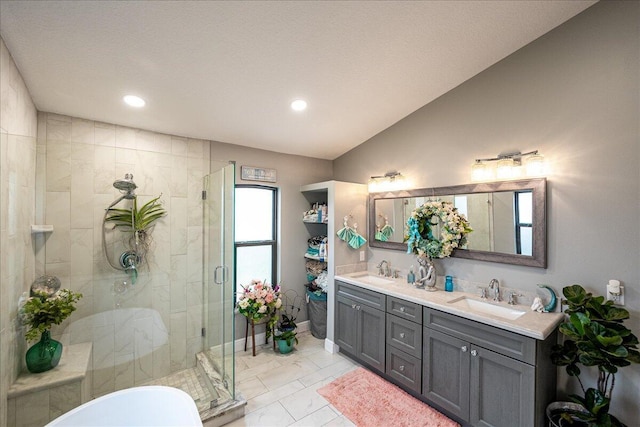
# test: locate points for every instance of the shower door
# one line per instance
(218, 195)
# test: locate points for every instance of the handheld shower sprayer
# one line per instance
(127, 188)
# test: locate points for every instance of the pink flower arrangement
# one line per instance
(259, 299)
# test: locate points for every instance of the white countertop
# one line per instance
(531, 324)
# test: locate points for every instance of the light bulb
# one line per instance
(479, 172)
(535, 165)
(504, 168)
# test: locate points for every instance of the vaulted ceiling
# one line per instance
(228, 70)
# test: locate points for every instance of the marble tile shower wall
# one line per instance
(18, 123)
(154, 328)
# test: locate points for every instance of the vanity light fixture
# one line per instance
(134, 101)
(508, 166)
(390, 181)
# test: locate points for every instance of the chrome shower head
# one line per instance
(126, 186)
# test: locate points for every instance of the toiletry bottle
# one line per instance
(411, 277)
(448, 284)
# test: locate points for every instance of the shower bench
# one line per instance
(36, 399)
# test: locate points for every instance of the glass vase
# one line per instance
(44, 355)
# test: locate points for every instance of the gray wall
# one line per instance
(292, 172)
(574, 95)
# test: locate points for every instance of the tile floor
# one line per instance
(281, 389)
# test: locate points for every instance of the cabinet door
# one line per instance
(445, 372)
(371, 336)
(502, 390)
(346, 324)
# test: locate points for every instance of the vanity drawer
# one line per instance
(404, 368)
(363, 296)
(404, 335)
(504, 342)
(406, 310)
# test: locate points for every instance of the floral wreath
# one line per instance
(420, 239)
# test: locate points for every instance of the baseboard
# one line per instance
(330, 346)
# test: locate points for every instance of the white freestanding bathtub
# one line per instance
(137, 406)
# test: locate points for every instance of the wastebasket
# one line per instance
(317, 310)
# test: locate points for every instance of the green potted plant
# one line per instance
(285, 335)
(285, 340)
(594, 335)
(39, 312)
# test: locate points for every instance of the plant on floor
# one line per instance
(291, 303)
(594, 336)
(288, 336)
(285, 335)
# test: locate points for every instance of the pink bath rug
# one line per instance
(370, 401)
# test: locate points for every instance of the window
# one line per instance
(523, 206)
(256, 219)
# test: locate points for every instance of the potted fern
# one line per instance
(594, 336)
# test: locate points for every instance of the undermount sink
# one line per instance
(368, 278)
(483, 307)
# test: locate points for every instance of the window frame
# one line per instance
(273, 242)
(517, 223)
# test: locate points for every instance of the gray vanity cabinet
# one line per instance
(404, 343)
(360, 324)
(479, 374)
(485, 375)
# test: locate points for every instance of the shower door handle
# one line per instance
(220, 274)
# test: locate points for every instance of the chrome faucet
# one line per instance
(383, 271)
(495, 286)
(513, 298)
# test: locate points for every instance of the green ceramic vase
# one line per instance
(44, 355)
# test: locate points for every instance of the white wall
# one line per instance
(18, 127)
(573, 94)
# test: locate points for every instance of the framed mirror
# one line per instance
(508, 219)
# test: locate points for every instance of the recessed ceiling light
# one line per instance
(299, 105)
(134, 101)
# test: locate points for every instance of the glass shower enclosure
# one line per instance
(218, 281)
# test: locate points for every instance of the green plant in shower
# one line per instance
(139, 221)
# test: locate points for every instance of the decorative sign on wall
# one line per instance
(252, 173)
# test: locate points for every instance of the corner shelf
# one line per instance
(38, 229)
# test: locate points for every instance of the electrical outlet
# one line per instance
(617, 299)
(361, 255)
